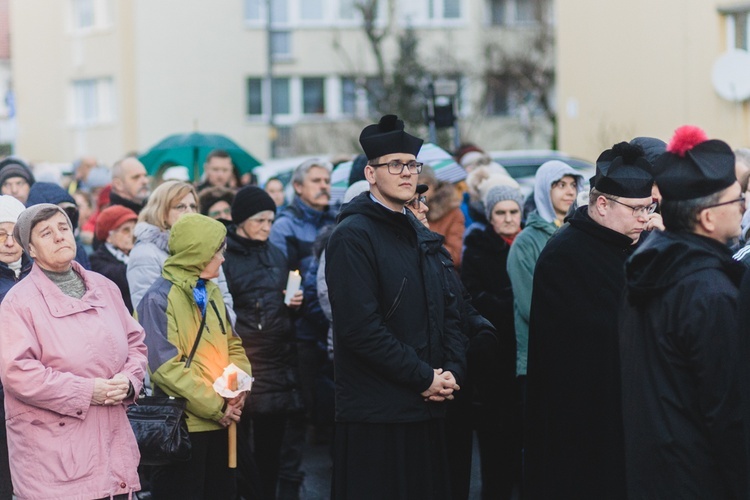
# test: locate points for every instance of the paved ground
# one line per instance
(317, 466)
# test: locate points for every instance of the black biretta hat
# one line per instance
(694, 166)
(624, 171)
(652, 147)
(388, 137)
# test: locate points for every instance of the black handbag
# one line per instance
(160, 429)
(159, 422)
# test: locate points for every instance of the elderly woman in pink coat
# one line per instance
(71, 358)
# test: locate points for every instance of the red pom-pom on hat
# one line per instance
(686, 138)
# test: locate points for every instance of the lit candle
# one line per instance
(292, 286)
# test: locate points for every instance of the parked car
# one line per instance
(522, 165)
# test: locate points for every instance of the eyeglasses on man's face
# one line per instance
(638, 211)
(741, 199)
(396, 167)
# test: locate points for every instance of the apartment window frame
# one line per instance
(737, 23)
(329, 13)
(92, 102)
(276, 91)
(507, 12)
(98, 12)
(250, 98)
(308, 84)
(431, 13)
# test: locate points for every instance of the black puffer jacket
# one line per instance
(256, 273)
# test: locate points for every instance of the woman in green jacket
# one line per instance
(171, 312)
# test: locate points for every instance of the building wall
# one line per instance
(176, 66)
(636, 67)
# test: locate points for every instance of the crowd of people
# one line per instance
(596, 349)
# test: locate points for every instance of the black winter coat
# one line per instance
(106, 264)
(484, 273)
(681, 358)
(574, 443)
(395, 317)
(8, 276)
(256, 273)
(7, 281)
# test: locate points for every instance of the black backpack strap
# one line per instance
(189, 360)
(221, 322)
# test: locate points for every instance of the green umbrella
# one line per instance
(191, 150)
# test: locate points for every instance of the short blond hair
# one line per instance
(157, 208)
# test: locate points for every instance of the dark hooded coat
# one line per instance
(679, 348)
(574, 444)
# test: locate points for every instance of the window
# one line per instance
(280, 100)
(92, 102)
(348, 96)
(505, 12)
(451, 9)
(286, 14)
(87, 15)
(311, 10)
(254, 96)
(281, 44)
(497, 12)
(525, 11)
(426, 11)
(348, 9)
(83, 14)
(737, 30)
(279, 12)
(313, 96)
(498, 96)
(375, 95)
(254, 10)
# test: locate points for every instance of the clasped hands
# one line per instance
(110, 392)
(234, 410)
(442, 387)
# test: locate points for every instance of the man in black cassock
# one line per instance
(681, 351)
(399, 350)
(573, 434)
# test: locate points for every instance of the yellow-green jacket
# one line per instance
(171, 318)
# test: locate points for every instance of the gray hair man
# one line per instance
(130, 186)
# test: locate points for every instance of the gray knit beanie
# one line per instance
(500, 193)
(22, 231)
(14, 168)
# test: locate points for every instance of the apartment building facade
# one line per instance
(108, 77)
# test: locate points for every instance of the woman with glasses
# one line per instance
(14, 266)
(71, 359)
(170, 201)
